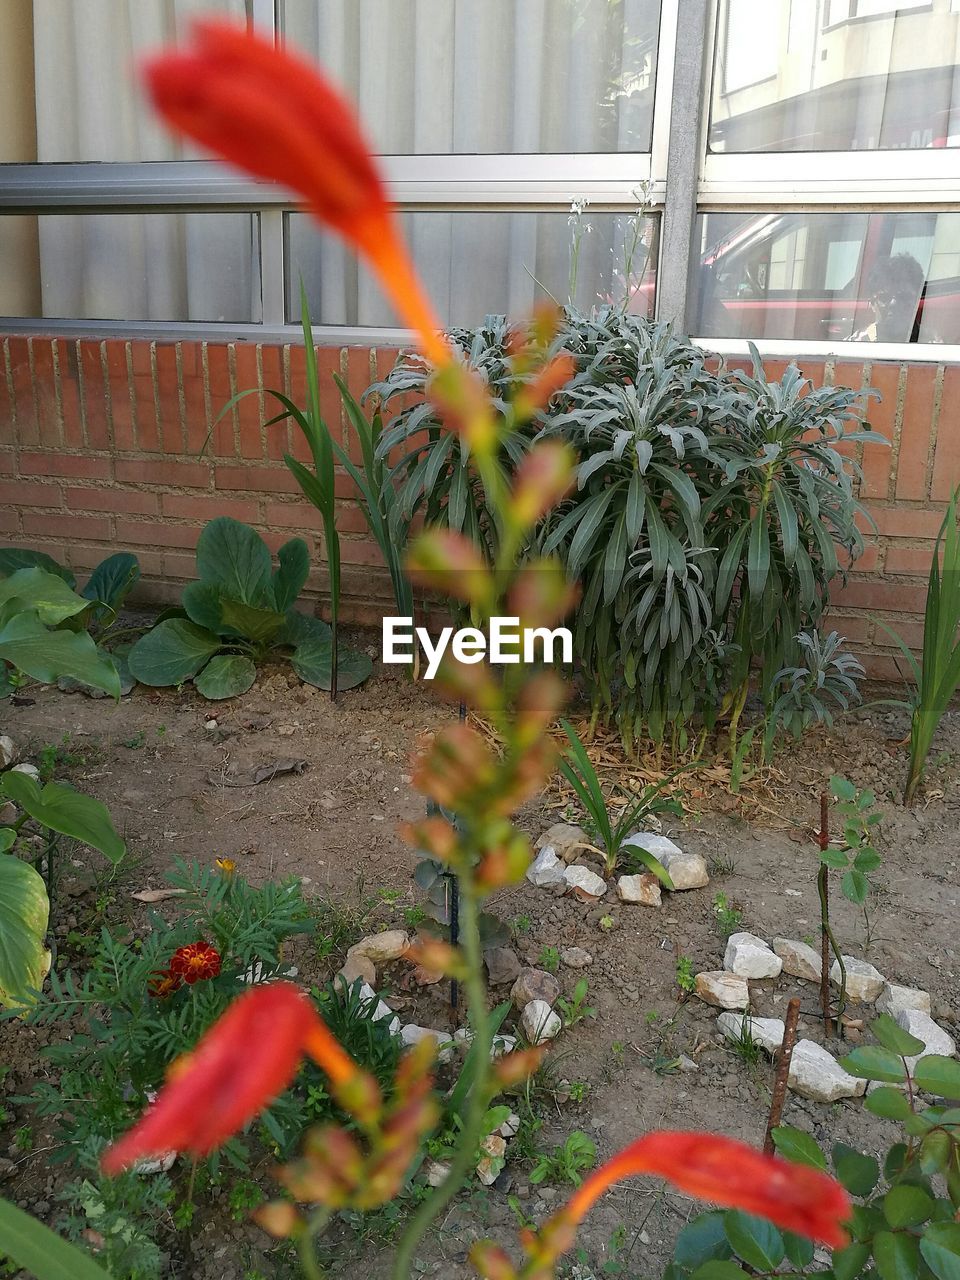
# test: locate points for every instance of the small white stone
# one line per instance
(864, 982)
(725, 990)
(156, 1164)
(799, 959)
(583, 881)
(491, 1162)
(381, 1009)
(510, 1127)
(503, 1042)
(749, 957)
(766, 1032)
(576, 957)
(411, 1034)
(30, 770)
(436, 1172)
(539, 1022)
(895, 1000)
(816, 1074)
(660, 846)
(211, 724)
(8, 751)
(644, 889)
(381, 948)
(935, 1039)
(686, 870)
(565, 839)
(546, 870)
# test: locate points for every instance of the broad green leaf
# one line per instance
(262, 626)
(24, 915)
(719, 1269)
(312, 661)
(893, 1037)
(936, 1150)
(44, 592)
(859, 1174)
(867, 860)
(872, 1062)
(8, 838)
(14, 558)
(703, 1239)
(940, 1247)
(174, 651)
(299, 627)
(897, 1255)
(113, 579)
(794, 1144)
(854, 886)
(755, 1240)
(906, 1205)
(842, 788)
(40, 1251)
(201, 603)
(47, 655)
(849, 1262)
(892, 1104)
(289, 579)
(835, 858)
(225, 676)
(235, 558)
(798, 1249)
(937, 1074)
(62, 809)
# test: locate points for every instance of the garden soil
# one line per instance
(177, 774)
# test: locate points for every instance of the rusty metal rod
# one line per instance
(783, 1071)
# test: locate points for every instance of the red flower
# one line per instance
(729, 1173)
(163, 983)
(194, 962)
(273, 114)
(244, 1061)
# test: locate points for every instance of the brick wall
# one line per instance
(109, 445)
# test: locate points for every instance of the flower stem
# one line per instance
(477, 1099)
(305, 1244)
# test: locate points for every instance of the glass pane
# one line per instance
(74, 65)
(440, 77)
(866, 277)
(132, 266)
(476, 264)
(842, 75)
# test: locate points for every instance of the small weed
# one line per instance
(607, 923)
(183, 1215)
(414, 916)
(729, 918)
(651, 1016)
(575, 1010)
(549, 959)
(686, 978)
(579, 1091)
(245, 1195)
(567, 1161)
(722, 863)
(745, 1047)
(23, 1138)
(521, 925)
(136, 742)
(52, 757)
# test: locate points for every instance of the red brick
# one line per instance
(145, 414)
(291, 515)
(187, 507)
(909, 560)
(250, 415)
(7, 430)
(916, 431)
(141, 358)
(45, 392)
(357, 552)
(278, 436)
(71, 412)
(54, 524)
(360, 375)
(275, 538)
(96, 408)
(856, 628)
(195, 415)
(75, 465)
(115, 354)
(877, 461)
(218, 370)
(189, 475)
(866, 563)
(113, 500)
(24, 404)
(350, 519)
(907, 522)
(876, 594)
(20, 494)
(176, 565)
(121, 404)
(909, 630)
(255, 479)
(9, 521)
(223, 439)
(157, 533)
(946, 458)
(8, 462)
(168, 398)
(888, 670)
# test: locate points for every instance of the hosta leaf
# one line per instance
(14, 558)
(312, 661)
(62, 809)
(46, 593)
(48, 655)
(261, 626)
(24, 915)
(113, 579)
(290, 578)
(201, 603)
(225, 676)
(236, 559)
(40, 1251)
(174, 651)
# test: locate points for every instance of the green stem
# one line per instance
(308, 1257)
(470, 1137)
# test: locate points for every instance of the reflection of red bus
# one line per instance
(810, 275)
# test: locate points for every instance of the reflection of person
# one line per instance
(894, 287)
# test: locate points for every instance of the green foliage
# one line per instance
(576, 1009)
(566, 1162)
(24, 915)
(904, 1222)
(685, 975)
(937, 675)
(857, 858)
(577, 767)
(728, 918)
(41, 1251)
(239, 612)
(549, 959)
(826, 676)
(440, 886)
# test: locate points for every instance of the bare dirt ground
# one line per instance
(171, 782)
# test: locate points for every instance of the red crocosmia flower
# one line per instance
(244, 1061)
(272, 113)
(164, 983)
(195, 962)
(724, 1172)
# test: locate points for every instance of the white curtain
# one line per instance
(155, 266)
(483, 78)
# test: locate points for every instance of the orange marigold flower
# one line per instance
(246, 1059)
(272, 113)
(195, 962)
(227, 867)
(163, 983)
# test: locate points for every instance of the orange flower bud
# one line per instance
(437, 957)
(515, 1068)
(540, 595)
(552, 378)
(435, 836)
(491, 1262)
(538, 705)
(279, 1218)
(444, 561)
(544, 475)
(504, 863)
(457, 766)
(472, 683)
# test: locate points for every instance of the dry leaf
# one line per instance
(157, 895)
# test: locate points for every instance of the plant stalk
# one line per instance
(783, 1072)
(462, 1163)
(305, 1245)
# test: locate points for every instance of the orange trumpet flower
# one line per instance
(246, 1059)
(271, 113)
(722, 1171)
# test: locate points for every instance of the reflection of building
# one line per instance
(797, 75)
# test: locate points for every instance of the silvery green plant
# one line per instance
(810, 693)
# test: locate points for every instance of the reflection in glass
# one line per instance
(476, 264)
(840, 75)
(868, 277)
(134, 266)
(480, 77)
